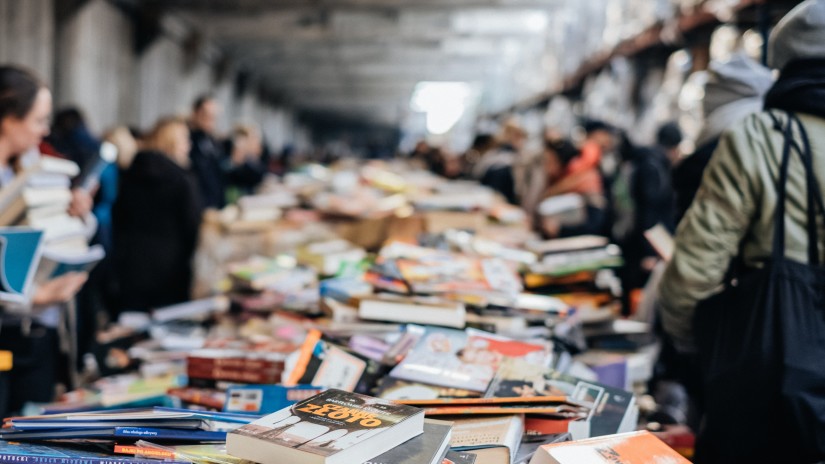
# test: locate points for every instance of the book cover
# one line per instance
(20, 250)
(266, 399)
(427, 448)
(333, 427)
(15, 452)
(629, 448)
(465, 360)
(609, 406)
(390, 388)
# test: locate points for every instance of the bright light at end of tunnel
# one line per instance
(443, 102)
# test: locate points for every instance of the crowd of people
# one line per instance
(743, 201)
(146, 212)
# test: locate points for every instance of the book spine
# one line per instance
(169, 434)
(195, 396)
(36, 459)
(234, 375)
(238, 363)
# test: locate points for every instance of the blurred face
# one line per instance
(605, 140)
(24, 134)
(206, 118)
(181, 145)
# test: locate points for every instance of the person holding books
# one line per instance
(744, 287)
(157, 217)
(30, 333)
(584, 179)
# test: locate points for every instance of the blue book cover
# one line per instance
(150, 433)
(266, 399)
(134, 433)
(20, 249)
(15, 452)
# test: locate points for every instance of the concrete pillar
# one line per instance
(27, 35)
(95, 65)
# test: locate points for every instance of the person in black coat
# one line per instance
(207, 155)
(156, 221)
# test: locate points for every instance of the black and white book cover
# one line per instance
(330, 424)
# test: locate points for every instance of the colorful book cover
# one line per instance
(452, 358)
(629, 448)
(326, 424)
(20, 250)
(16, 452)
(609, 405)
(266, 399)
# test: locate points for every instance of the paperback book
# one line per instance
(335, 427)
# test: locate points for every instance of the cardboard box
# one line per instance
(440, 221)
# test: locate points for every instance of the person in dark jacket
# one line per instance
(157, 217)
(207, 155)
(248, 161)
(643, 198)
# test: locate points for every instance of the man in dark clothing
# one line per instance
(207, 155)
(645, 193)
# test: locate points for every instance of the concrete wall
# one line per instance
(165, 86)
(90, 62)
(27, 35)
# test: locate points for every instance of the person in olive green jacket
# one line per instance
(733, 213)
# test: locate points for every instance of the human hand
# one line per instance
(60, 289)
(81, 204)
(551, 227)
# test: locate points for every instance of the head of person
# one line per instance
(603, 134)
(669, 137)
(799, 36)
(513, 134)
(205, 113)
(127, 145)
(170, 136)
(25, 109)
(248, 139)
(557, 155)
(735, 89)
(67, 120)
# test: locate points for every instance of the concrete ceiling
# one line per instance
(361, 59)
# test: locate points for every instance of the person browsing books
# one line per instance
(28, 332)
(751, 261)
(157, 216)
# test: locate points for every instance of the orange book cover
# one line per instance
(144, 452)
(628, 448)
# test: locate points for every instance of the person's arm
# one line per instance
(710, 234)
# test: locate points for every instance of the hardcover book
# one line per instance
(335, 427)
